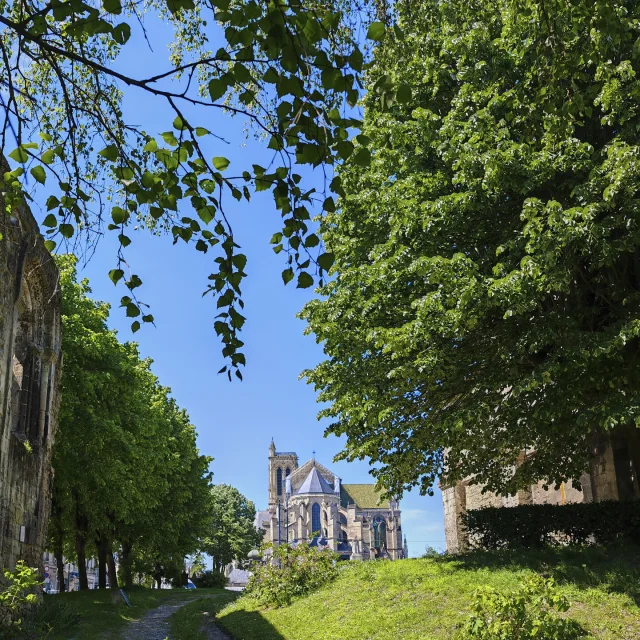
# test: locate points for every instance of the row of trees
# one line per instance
(128, 475)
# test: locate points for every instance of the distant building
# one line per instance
(30, 362)
(70, 574)
(310, 504)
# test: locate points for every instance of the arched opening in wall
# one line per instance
(22, 368)
(315, 518)
(279, 482)
(379, 532)
(342, 519)
(343, 535)
(287, 473)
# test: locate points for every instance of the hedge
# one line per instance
(535, 525)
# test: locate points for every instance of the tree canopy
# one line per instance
(487, 263)
(290, 68)
(231, 532)
(128, 474)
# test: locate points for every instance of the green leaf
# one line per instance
(135, 326)
(115, 275)
(169, 138)
(217, 88)
(121, 33)
(50, 221)
(125, 241)
(177, 5)
(151, 146)
(220, 163)
(201, 131)
(48, 156)
(376, 31)
(179, 124)
(403, 94)
(110, 153)
(19, 155)
(118, 215)
(49, 245)
(287, 275)
(39, 174)
(112, 6)
(304, 280)
(66, 230)
(326, 260)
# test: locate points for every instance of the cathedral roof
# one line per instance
(314, 483)
(364, 496)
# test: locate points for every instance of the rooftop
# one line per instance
(363, 496)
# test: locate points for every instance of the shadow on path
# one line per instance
(154, 625)
(248, 625)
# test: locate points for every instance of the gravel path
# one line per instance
(154, 625)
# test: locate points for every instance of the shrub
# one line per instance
(17, 596)
(526, 613)
(292, 572)
(536, 525)
(210, 580)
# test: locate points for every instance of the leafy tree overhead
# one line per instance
(288, 67)
(231, 534)
(487, 275)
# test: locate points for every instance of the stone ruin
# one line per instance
(30, 363)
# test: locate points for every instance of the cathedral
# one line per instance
(311, 504)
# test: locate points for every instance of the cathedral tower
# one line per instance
(281, 465)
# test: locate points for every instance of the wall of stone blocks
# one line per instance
(30, 363)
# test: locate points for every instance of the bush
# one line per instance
(210, 580)
(17, 597)
(526, 613)
(292, 572)
(532, 525)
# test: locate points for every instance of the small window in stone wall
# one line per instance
(22, 371)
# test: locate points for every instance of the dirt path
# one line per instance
(154, 625)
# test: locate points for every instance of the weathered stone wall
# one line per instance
(30, 361)
(598, 485)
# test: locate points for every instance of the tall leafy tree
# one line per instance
(231, 533)
(486, 297)
(288, 67)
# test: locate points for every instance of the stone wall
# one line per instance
(600, 484)
(30, 361)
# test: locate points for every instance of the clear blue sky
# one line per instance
(235, 421)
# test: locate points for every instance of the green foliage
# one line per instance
(289, 68)
(231, 533)
(536, 525)
(138, 480)
(487, 292)
(17, 597)
(525, 613)
(292, 572)
(210, 580)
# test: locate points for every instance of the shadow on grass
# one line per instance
(248, 624)
(615, 569)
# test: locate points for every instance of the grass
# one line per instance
(429, 599)
(103, 614)
(187, 622)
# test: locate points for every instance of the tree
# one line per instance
(487, 275)
(288, 67)
(231, 534)
(125, 454)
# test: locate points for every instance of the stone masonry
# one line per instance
(30, 362)
(613, 475)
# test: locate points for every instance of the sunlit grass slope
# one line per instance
(430, 598)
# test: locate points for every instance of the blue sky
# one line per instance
(237, 420)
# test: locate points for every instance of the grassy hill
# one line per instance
(428, 599)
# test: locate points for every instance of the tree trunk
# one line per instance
(126, 565)
(60, 565)
(113, 577)
(82, 561)
(101, 544)
(158, 583)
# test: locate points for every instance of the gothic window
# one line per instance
(287, 472)
(379, 532)
(342, 519)
(315, 518)
(279, 482)
(22, 370)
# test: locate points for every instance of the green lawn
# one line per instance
(428, 599)
(186, 623)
